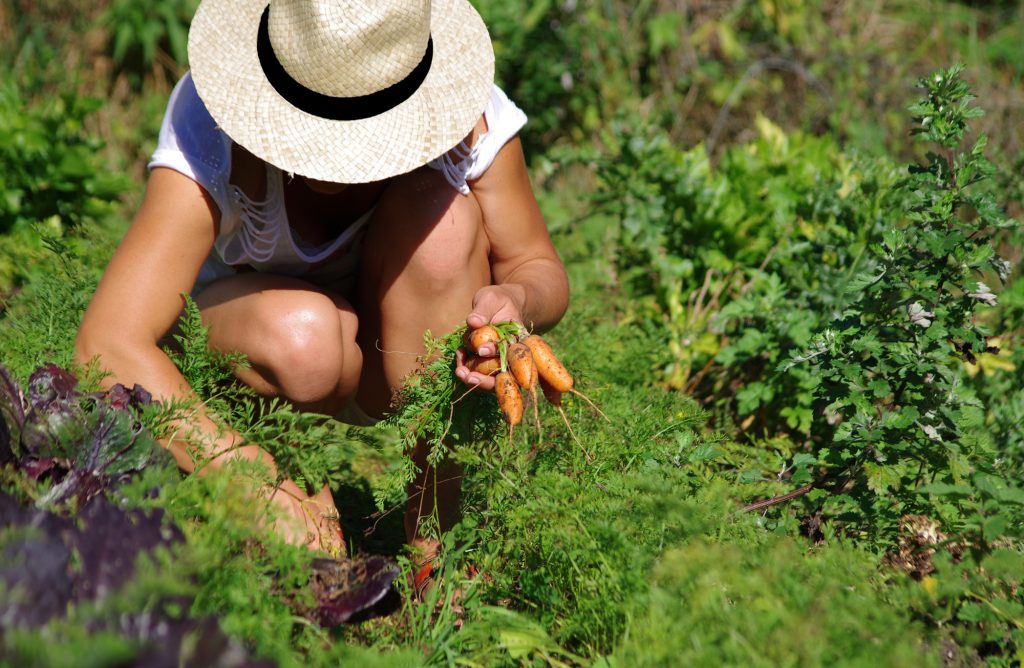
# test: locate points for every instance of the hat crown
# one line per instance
(343, 48)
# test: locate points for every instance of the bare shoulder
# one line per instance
(507, 173)
(172, 194)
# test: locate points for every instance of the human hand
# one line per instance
(491, 304)
(308, 521)
(496, 303)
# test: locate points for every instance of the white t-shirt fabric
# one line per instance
(256, 234)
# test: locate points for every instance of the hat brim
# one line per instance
(442, 112)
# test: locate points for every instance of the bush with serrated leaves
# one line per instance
(739, 263)
(905, 435)
(841, 302)
(890, 362)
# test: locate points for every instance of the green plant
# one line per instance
(738, 264)
(908, 437)
(145, 35)
(889, 363)
(40, 322)
(763, 602)
(49, 168)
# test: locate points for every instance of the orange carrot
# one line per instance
(522, 366)
(555, 378)
(488, 366)
(474, 338)
(548, 365)
(524, 370)
(553, 396)
(510, 401)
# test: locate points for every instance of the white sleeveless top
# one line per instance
(256, 234)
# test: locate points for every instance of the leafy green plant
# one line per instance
(49, 167)
(908, 437)
(844, 301)
(889, 363)
(143, 33)
(738, 264)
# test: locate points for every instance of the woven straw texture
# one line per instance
(229, 79)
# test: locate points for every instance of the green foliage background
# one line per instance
(726, 181)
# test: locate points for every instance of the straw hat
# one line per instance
(348, 91)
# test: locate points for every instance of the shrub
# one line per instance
(145, 35)
(48, 162)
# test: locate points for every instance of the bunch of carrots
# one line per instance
(524, 362)
(433, 408)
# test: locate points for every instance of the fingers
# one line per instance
(324, 524)
(477, 319)
(472, 378)
(481, 381)
(491, 304)
(487, 350)
(311, 522)
(460, 363)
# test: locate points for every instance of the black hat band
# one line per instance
(336, 108)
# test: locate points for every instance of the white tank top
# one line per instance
(256, 233)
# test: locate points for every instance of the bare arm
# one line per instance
(524, 264)
(530, 282)
(137, 302)
(139, 296)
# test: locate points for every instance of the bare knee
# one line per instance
(427, 233)
(307, 347)
(448, 248)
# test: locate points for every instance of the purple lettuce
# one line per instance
(53, 404)
(101, 446)
(35, 560)
(39, 580)
(37, 548)
(82, 442)
(110, 541)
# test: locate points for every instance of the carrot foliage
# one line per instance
(434, 407)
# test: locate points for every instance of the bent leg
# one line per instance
(301, 344)
(424, 258)
(426, 255)
(300, 340)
